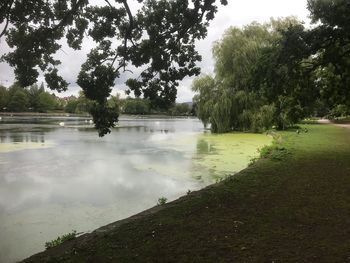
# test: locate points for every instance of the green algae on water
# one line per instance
(212, 156)
(221, 155)
(19, 146)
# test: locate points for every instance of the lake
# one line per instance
(57, 175)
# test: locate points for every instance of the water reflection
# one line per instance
(204, 147)
(17, 137)
(3, 137)
(83, 181)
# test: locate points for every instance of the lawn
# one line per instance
(293, 205)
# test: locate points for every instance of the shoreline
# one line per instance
(189, 142)
(276, 200)
(292, 205)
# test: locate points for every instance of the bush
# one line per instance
(340, 110)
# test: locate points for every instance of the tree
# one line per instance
(180, 109)
(207, 90)
(47, 102)
(33, 94)
(159, 38)
(330, 42)
(71, 105)
(32, 98)
(236, 98)
(114, 102)
(281, 76)
(3, 98)
(323, 53)
(18, 101)
(83, 105)
(136, 106)
(279, 73)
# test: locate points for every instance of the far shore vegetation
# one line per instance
(35, 99)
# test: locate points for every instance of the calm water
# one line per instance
(55, 179)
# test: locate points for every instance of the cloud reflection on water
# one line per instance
(84, 181)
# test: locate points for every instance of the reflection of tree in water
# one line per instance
(2, 137)
(204, 147)
(20, 137)
(37, 137)
(200, 170)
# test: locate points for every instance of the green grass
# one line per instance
(293, 208)
(59, 240)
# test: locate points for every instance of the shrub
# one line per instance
(59, 240)
(162, 200)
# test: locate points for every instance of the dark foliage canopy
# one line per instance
(324, 50)
(279, 73)
(159, 38)
(316, 61)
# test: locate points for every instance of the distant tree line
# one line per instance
(278, 73)
(144, 106)
(35, 99)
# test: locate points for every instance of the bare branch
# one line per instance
(7, 19)
(5, 28)
(128, 70)
(131, 22)
(126, 38)
(109, 3)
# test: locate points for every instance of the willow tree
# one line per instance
(231, 100)
(158, 37)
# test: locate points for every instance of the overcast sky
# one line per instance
(236, 13)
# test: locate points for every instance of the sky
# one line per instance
(236, 13)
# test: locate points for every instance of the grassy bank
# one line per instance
(292, 206)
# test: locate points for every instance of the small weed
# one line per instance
(162, 200)
(189, 191)
(59, 240)
(252, 161)
(221, 178)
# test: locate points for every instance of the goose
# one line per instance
(61, 124)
